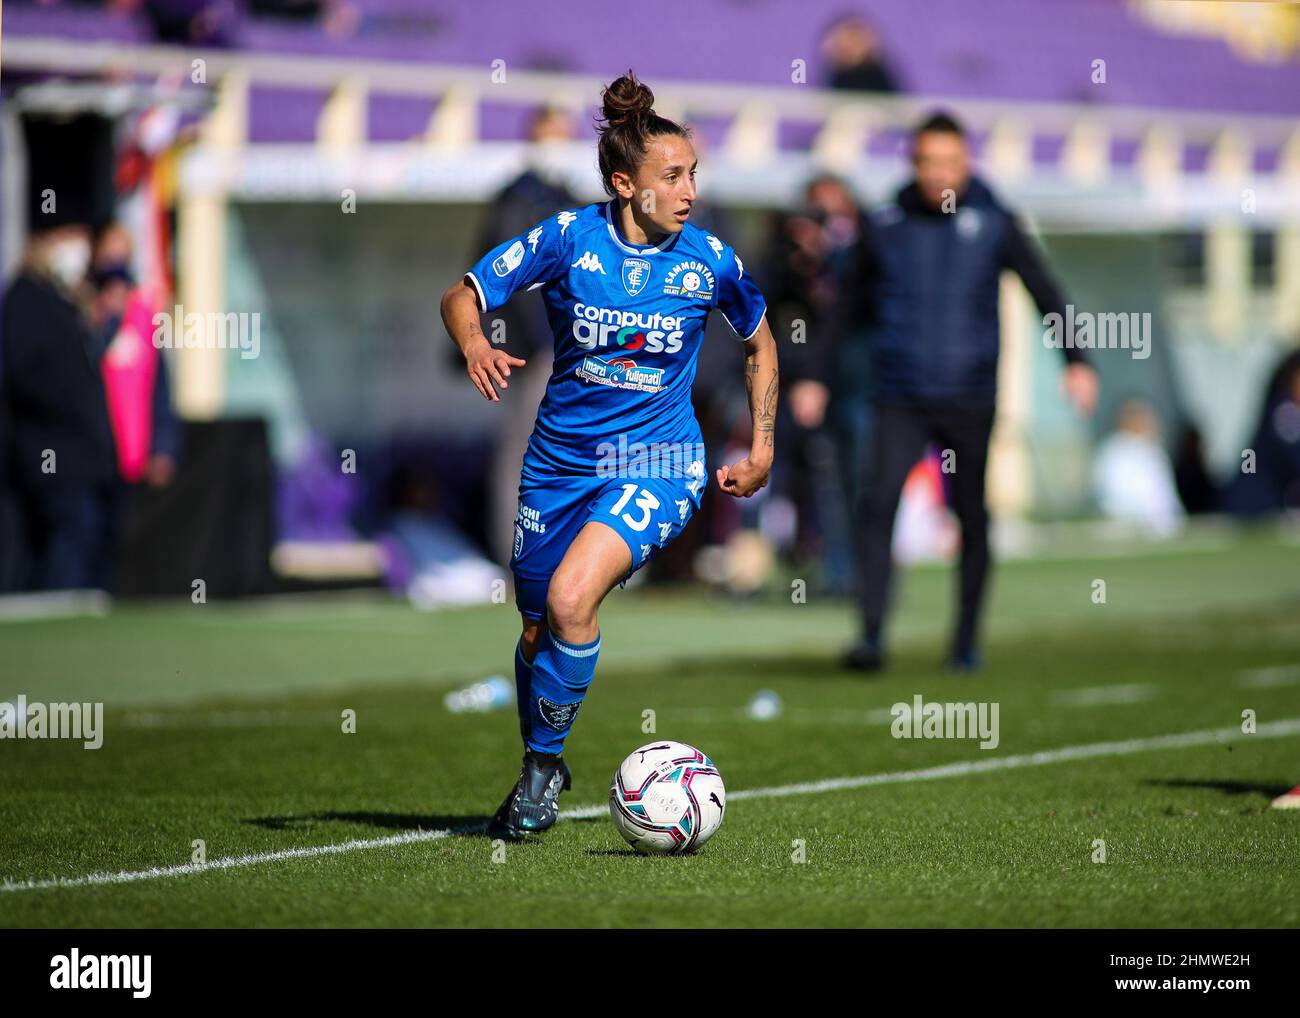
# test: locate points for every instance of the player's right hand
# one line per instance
(486, 366)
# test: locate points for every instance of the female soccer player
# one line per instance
(615, 465)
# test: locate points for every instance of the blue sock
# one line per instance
(561, 674)
(523, 687)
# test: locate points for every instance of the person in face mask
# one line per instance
(67, 255)
(541, 189)
(57, 448)
(145, 427)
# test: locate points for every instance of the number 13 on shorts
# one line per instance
(645, 501)
(649, 514)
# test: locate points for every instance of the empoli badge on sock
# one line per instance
(558, 715)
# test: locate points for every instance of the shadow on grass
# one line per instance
(460, 826)
(465, 826)
(625, 853)
(1270, 790)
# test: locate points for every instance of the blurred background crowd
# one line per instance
(315, 173)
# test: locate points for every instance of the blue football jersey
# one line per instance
(628, 321)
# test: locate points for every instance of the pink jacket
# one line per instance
(130, 365)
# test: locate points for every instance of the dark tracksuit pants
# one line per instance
(902, 432)
(73, 533)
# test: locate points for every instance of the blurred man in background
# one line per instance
(540, 190)
(936, 256)
(59, 443)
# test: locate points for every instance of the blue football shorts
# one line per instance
(647, 513)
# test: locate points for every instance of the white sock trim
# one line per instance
(564, 648)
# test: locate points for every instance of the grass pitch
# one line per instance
(223, 724)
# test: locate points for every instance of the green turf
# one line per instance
(223, 725)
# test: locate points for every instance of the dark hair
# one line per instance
(627, 109)
(939, 122)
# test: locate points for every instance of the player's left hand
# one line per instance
(744, 478)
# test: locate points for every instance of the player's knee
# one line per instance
(569, 606)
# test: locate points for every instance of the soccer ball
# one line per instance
(666, 798)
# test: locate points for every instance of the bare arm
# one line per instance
(762, 383)
(484, 364)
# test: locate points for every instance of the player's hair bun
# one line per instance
(627, 109)
(626, 100)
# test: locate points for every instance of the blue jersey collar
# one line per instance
(665, 245)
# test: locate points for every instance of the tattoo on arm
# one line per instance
(764, 411)
(765, 421)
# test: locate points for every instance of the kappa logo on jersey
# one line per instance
(564, 219)
(715, 244)
(690, 279)
(682, 507)
(665, 529)
(508, 262)
(696, 471)
(590, 262)
(533, 237)
(636, 273)
(620, 373)
(558, 715)
(741, 266)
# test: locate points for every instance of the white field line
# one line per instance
(1093, 696)
(1181, 740)
(1262, 678)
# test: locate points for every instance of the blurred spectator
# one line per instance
(60, 445)
(539, 191)
(337, 18)
(852, 48)
(193, 22)
(1196, 489)
(1269, 478)
(937, 254)
(429, 557)
(1131, 475)
(813, 254)
(145, 428)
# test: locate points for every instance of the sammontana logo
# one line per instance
(690, 279)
